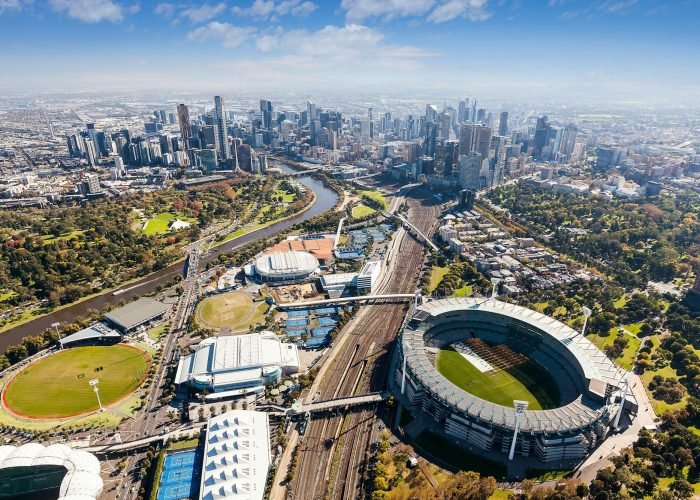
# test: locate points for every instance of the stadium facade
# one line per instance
(590, 385)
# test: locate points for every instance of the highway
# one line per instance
(334, 449)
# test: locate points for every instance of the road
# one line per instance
(334, 449)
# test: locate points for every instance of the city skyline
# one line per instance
(625, 50)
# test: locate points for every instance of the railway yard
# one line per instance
(333, 452)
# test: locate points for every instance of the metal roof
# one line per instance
(82, 479)
(236, 456)
(578, 414)
(136, 313)
(286, 263)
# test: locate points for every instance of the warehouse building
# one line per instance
(241, 362)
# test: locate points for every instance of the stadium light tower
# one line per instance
(56, 325)
(93, 383)
(587, 313)
(622, 402)
(520, 407)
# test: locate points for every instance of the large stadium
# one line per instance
(466, 363)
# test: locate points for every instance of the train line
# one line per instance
(333, 452)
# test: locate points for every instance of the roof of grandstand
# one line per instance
(594, 366)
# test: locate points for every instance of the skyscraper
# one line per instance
(469, 170)
(482, 140)
(541, 135)
(183, 116)
(371, 123)
(503, 124)
(221, 128)
(466, 136)
(266, 114)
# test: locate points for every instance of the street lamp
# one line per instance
(93, 383)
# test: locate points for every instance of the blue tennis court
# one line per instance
(295, 333)
(325, 311)
(296, 322)
(299, 313)
(328, 320)
(316, 341)
(180, 476)
(321, 332)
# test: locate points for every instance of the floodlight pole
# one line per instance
(622, 403)
(93, 383)
(58, 333)
(520, 407)
(587, 313)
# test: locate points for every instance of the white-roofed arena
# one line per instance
(238, 362)
(285, 266)
(589, 384)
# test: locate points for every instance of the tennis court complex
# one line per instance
(180, 476)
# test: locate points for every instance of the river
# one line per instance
(325, 199)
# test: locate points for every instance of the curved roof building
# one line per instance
(49, 471)
(238, 362)
(285, 266)
(585, 377)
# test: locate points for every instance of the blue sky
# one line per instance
(633, 50)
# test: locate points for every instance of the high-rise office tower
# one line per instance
(503, 124)
(469, 170)
(481, 115)
(431, 113)
(430, 139)
(266, 114)
(371, 123)
(472, 113)
(310, 111)
(481, 140)
(568, 141)
(463, 112)
(541, 136)
(221, 128)
(183, 116)
(466, 137)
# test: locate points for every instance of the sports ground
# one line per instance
(526, 382)
(58, 386)
(234, 310)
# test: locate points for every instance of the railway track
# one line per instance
(334, 450)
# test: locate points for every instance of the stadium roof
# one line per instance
(97, 331)
(286, 263)
(239, 358)
(580, 413)
(236, 456)
(82, 480)
(136, 313)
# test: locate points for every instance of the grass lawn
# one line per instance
(375, 195)
(667, 372)
(541, 475)
(456, 457)
(362, 210)
(527, 382)
(465, 291)
(626, 361)
(7, 295)
(64, 376)
(184, 444)
(620, 303)
(436, 275)
(234, 310)
(500, 494)
(156, 333)
(160, 223)
(49, 238)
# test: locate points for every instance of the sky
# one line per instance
(624, 50)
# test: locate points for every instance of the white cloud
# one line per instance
(612, 6)
(270, 9)
(166, 10)
(473, 10)
(229, 35)
(203, 12)
(89, 11)
(437, 11)
(358, 10)
(8, 5)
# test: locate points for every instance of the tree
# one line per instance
(681, 488)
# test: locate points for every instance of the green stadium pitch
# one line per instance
(526, 382)
(58, 386)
